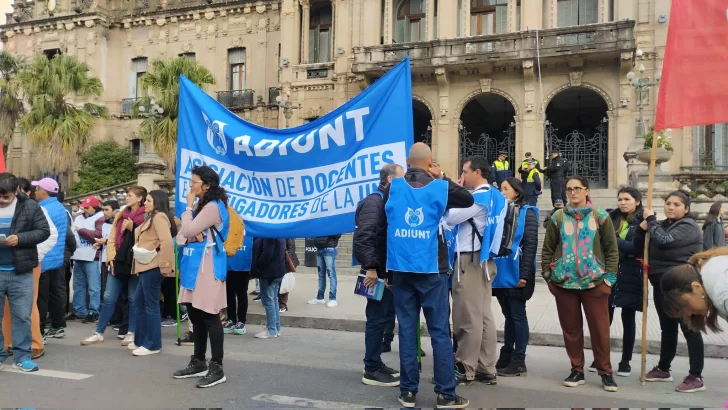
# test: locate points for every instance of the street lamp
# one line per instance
(287, 107)
(151, 112)
(642, 87)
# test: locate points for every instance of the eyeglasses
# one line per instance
(574, 190)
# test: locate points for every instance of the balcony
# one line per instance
(603, 39)
(236, 100)
(273, 93)
(127, 105)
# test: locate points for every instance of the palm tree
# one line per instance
(11, 107)
(163, 81)
(57, 127)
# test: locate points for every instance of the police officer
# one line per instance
(533, 183)
(523, 171)
(556, 172)
(417, 256)
(500, 170)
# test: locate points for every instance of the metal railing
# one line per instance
(127, 105)
(236, 99)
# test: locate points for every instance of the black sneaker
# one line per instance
(575, 379)
(388, 370)
(457, 403)
(213, 377)
(196, 368)
(624, 370)
(593, 367)
(57, 333)
(609, 383)
(188, 339)
(91, 318)
(380, 378)
(257, 299)
(487, 378)
(408, 399)
(504, 359)
(72, 316)
(386, 347)
(422, 353)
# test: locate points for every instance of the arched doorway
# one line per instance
(422, 122)
(487, 127)
(577, 127)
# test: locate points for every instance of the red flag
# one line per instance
(694, 86)
(2, 158)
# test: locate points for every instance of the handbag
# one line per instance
(144, 256)
(289, 263)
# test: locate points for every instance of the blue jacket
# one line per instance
(59, 218)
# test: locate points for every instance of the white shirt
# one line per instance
(466, 241)
(715, 280)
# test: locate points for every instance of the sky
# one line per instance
(4, 8)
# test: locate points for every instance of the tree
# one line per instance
(163, 81)
(103, 165)
(57, 127)
(11, 106)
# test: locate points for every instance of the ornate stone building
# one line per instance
(488, 75)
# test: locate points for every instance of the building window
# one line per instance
(320, 30)
(236, 62)
(411, 22)
(191, 56)
(52, 52)
(135, 146)
(576, 12)
(711, 146)
(488, 17)
(139, 67)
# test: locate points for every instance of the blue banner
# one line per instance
(304, 181)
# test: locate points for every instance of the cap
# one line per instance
(558, 202)
(502, 152)
(90, 201)
(48, 184)
(528, 154)
(554, 151)
(531, 161)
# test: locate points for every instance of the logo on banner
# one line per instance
(215, 135)
(414, 218)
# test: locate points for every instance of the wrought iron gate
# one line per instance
(587, 155)
(488, 146)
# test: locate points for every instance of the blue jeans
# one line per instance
(269, 299)
(148, 317)
(86, 278)
(427, 292)
(114, 286)
(326, 261)
(377, 319)
(18, 288)
(515, 334)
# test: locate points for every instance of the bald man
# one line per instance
(418, 259)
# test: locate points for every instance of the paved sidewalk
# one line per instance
(541, 310)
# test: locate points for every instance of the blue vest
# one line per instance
(59, 218)
(509, 266)
(413, 222)
(243, 257)
(354, 260)
(193, 253)
(495, 204)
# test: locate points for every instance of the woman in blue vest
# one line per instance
(520, 272)
(203, 272)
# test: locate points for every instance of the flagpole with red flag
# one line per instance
(2, 157)
(693, 91)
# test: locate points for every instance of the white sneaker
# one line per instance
(132, 346)
(263, 335)
(128, 339)
(143, 351)
(332, 303)
(121, 337)
(316, 302)
(94, 339)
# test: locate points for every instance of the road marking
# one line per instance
(51, 373)
(310, 403)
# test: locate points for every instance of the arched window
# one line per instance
(577, 12)
(488, 17)
(710, 149)
(319, 50)
(411, 24)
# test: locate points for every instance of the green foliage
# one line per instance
(662, 140)
(103, 165)
(11, 107)
(54, 124)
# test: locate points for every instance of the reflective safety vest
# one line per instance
(501, 165)
(531, 173)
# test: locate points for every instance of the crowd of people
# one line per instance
(469, 240)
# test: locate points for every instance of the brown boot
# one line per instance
(37, 353)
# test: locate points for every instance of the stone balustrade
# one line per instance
(117, 192)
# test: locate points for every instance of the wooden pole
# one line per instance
(646, 269)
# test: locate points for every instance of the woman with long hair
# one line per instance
(713, 229)
(203, 271)
(119, 260)
(153, 261)
(580, 260)
(673, 242)
(697, 292)
(512, 300)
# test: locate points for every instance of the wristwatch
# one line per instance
(188, 208)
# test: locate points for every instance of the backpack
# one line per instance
(236, 233)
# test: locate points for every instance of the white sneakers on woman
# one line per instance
(128, 339)
(143, 351)
(94, 339)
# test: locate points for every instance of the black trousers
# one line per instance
(237, 295)
(52, 297)
(68, 266)
(668, 340)
(557, 191)
(629, 326)
(203, 325)
(169, 290)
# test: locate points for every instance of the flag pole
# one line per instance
(646, 264)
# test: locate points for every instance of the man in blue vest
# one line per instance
(52, 285)
(501, 169)
(417, 256)
(479, 229)
(370, 249)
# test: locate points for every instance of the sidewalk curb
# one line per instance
(714, 351)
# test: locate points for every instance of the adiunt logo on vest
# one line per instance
(413, 218)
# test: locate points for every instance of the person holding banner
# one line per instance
(203, 272)
(86, 269)
(418, 257)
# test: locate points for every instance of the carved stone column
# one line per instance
(388, 24)
(305, 35)
(446, 133)
(465, 18)
(431, 35)
(512, 16)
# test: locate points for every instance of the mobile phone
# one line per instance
(3, 237)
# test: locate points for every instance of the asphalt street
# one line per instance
(310, 368)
